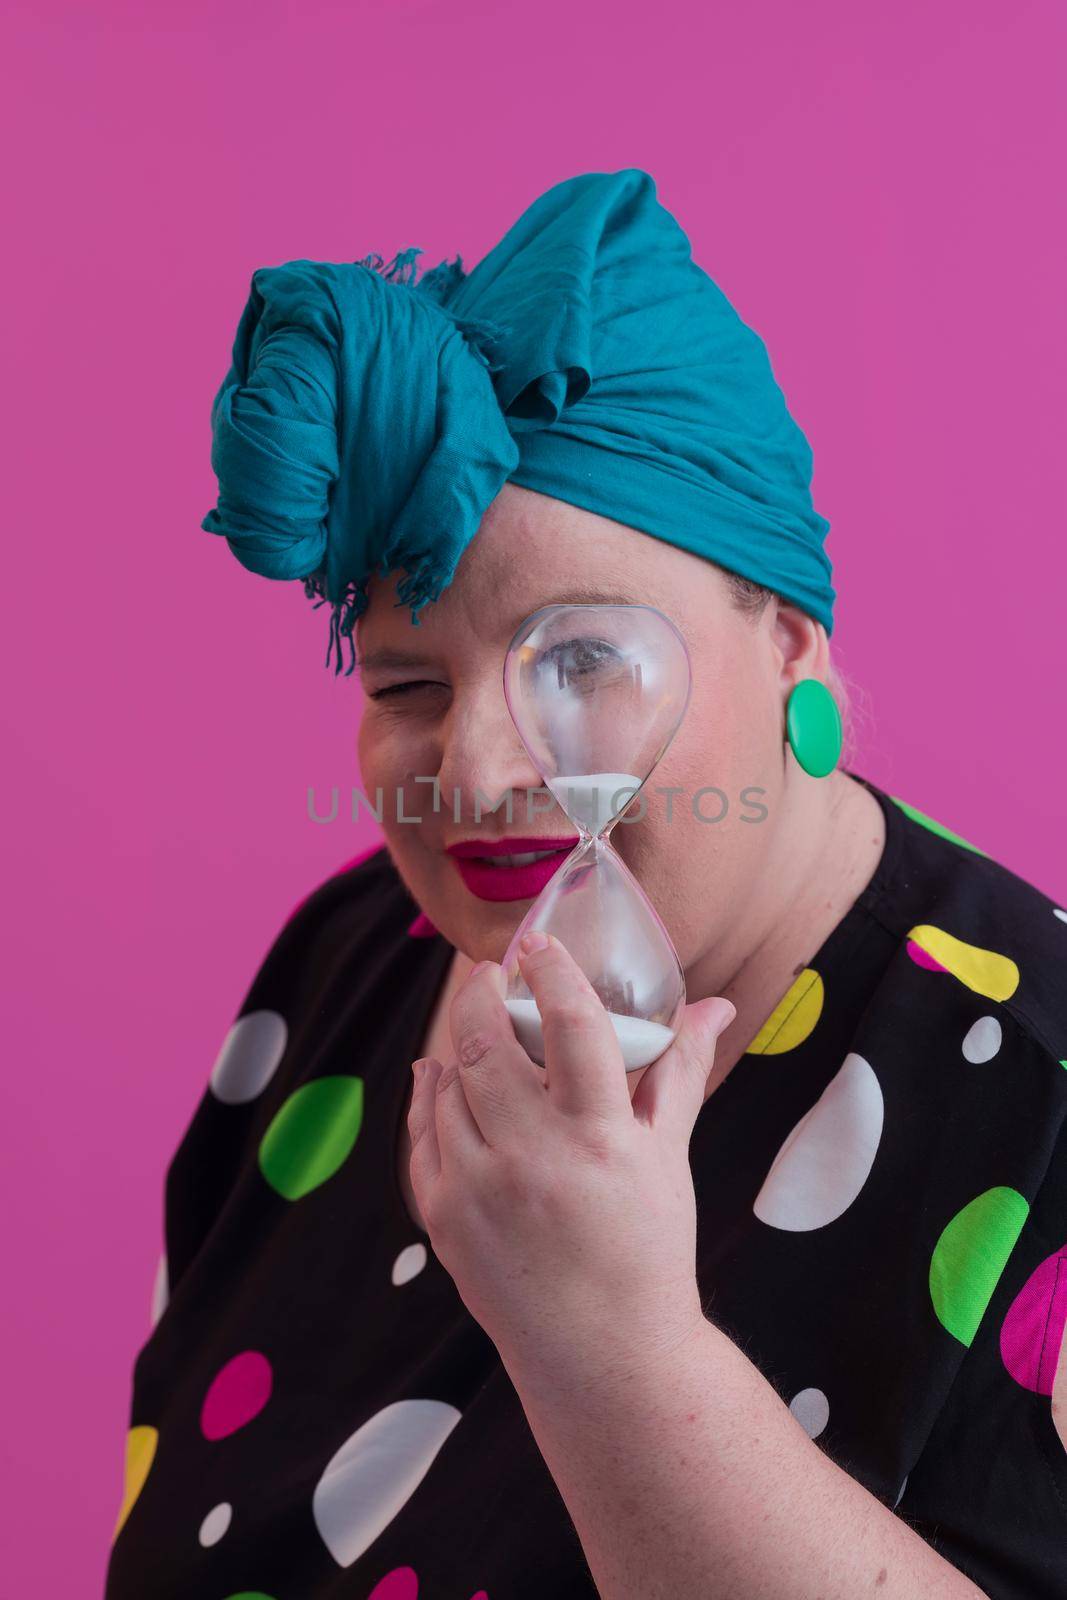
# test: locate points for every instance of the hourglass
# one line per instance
(597, 693)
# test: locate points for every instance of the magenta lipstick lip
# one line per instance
(491, 881)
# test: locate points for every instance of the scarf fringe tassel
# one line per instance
(425, 583)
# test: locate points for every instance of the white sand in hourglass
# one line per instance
(587, 797)
(641, 1042)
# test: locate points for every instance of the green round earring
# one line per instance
(813, 727)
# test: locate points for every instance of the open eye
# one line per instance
(578, 661)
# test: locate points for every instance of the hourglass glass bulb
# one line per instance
(597, 692)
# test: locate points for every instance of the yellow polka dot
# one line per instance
(793, 1018)
(140, 1451)
(987, 973)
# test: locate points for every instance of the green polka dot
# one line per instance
(312, 1135)
(936, 827)
(970, 1256)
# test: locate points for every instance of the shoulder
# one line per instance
(363, 906)
(957, 909)
(365, 890)
(343, 947)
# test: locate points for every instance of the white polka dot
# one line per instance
(983, 1040)
(1056, 912)
(827, 1158)
(215, 1524)
(812, 1410)
(409, 1263)
(249, 1057)
(160, 1290)
(900, 1495)
(375, 1473)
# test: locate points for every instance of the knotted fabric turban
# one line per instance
(369, 417)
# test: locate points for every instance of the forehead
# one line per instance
(531, 550)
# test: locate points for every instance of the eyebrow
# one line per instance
(388, 658)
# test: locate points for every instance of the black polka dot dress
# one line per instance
(881, 1186)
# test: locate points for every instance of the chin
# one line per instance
(486, 930)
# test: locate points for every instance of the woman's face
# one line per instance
(435, 708)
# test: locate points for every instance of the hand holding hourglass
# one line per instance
(597, 693)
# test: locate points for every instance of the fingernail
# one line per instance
(726, 1017)
(534, 940)
(419, 1067)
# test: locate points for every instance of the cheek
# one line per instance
(697, 864)
(393, 750)
(730, 728)
(685, 869)
(670, 860)
(393, 754)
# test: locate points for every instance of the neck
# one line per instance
(824, 854)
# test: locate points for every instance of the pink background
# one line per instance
(876, 189)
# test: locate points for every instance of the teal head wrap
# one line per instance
(369, 419)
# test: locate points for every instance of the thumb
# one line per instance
(672, 1089)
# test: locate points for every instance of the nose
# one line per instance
(483, 760)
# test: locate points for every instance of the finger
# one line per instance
(673, 1089)
(425, 1160)
(459, 1138)
(583, 1058)
(503, 1087)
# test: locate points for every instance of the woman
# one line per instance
(442, 1322)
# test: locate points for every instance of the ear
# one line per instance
(801, 646)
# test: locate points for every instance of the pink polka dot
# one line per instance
(1032, 1331)
(422, 927)
(923, 958)
(400, 1584)
(237, 1393)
